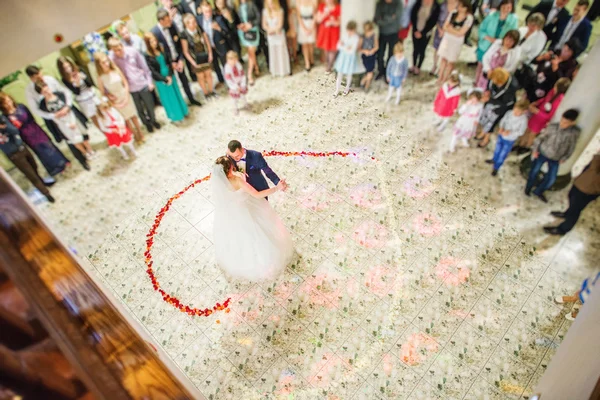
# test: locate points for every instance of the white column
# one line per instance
(359, 11)
(584, 95)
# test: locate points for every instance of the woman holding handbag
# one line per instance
(248, 31)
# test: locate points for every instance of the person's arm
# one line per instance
(414, 14)
(142, 64)
(586, 32)
(245, 186)
(264, 24)
(487, 56)
(465, 28)
(255, 22)
(572, 142)
(378, 19)
(267, 170)
(535, 149)
(432, 20)
(208, 46)
(375, 46)
(32, 101)
(56, 86)
(399, 10)
(186, 52)
(156, 75)
(483, 33)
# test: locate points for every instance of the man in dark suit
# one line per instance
(557, 16)
(219, 35)
(168, 37)
(578, 27)
(253, 164)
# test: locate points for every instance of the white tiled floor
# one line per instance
(419, 276)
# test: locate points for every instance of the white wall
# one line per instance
(29, 26)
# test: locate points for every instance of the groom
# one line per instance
(252, 163)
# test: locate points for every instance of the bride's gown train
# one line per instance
(251, 242)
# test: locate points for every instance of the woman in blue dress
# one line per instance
(160, 64)
(249, 33)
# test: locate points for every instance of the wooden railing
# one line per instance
(107, 354)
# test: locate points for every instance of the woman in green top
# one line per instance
(160, 63)
(249, 33)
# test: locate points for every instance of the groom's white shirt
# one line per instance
(242, 163)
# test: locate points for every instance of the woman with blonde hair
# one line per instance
(498, 98)
(113, 84)
(198, 51)
(272, 23)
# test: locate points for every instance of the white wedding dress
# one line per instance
(251, 242)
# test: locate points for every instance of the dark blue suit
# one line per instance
(255, 164)
(582, 33)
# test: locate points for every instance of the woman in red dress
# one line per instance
(328, 36)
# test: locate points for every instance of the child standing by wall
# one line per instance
(512, 126)
(465, 127)
(368, 51)
(345, 64)
(113, 125)
(236, 80)
(446, 101)
(396, 72)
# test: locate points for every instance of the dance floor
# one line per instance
(418, 275)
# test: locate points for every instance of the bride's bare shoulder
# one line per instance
(236, 181)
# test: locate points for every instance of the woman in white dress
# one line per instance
(113, 84)
(251, 242)
(272, 23)
(307, 30)
(455, 28)
(80, 85)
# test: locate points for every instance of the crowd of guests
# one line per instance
(521, 76)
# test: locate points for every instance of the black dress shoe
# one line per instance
(472, 64)
(50, 198)
(523, 150)
(196, 103)
(553, 230)
(379, 76)
(156, 125)
(542, 198)
(495, 172)
(490, 161)
(150, 128)
(527, 192)
(558, 214)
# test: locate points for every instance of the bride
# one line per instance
(251, 242)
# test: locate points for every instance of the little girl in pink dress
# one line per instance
(446, 101)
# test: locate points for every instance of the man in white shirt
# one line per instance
(127, 38)
(579, 27)
(167, 35)
(33, 101)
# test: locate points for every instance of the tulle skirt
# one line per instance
(251, 242)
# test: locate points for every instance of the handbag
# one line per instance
(251, 35)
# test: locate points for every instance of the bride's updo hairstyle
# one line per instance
(226, 163)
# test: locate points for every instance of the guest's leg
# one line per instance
(390, 93)
(415, 51)
(209, 81)
(536, 165)
(217, 66)
(443, 124)
(186, 86)
(202, 83)
(453, 143)
(148, 101)
(549, 178)
(577, 203)
(139, 106)
(131, 148)
(465, 142)
(124, 154)
(380, 55)
(338, 84)
(393, 39)
(135, 127)
(26, 163)
(503, 148)
(478, 72)
(306, 55)
(348, 82)
(398, 94)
